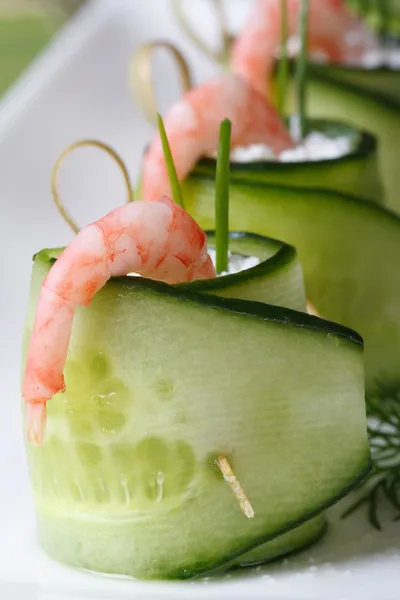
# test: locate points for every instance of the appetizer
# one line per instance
(353, 75)
(171, 431)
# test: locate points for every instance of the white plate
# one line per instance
(78, 89)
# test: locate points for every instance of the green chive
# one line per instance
(284, 62)
(169, 161)
(222, 196)
(301, 68)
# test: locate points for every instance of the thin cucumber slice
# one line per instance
(277, 280)
(382, 82)
(338, 93)
(356, 173)
(156, 382)
(347, 248)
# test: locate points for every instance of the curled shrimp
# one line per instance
(157, 239)
(192, 127)
(333, 33)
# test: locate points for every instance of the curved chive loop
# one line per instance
(169, 161)
(56, 170)
(283, 63)
(220, 56)
(222, 196)
(301, 68)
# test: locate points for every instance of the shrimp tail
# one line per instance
(35, 422)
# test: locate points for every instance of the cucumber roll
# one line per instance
(161, 381)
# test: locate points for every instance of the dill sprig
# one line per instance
(383, 412)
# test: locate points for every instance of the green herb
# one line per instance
(222, 196)
(283, 72)
(301, 68)
(173, 177)
(383, 411)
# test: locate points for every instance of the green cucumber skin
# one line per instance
(295, 540)
(105, 541)
(345, 247)
(356, 173)
(332, 97)
(277, 280)
(382, 83)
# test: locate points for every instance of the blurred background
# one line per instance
(26, 26)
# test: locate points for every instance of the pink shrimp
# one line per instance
(192, 127)
(157, 239)
(333, 32)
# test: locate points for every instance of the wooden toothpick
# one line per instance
(312, 310)
(231, 479)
